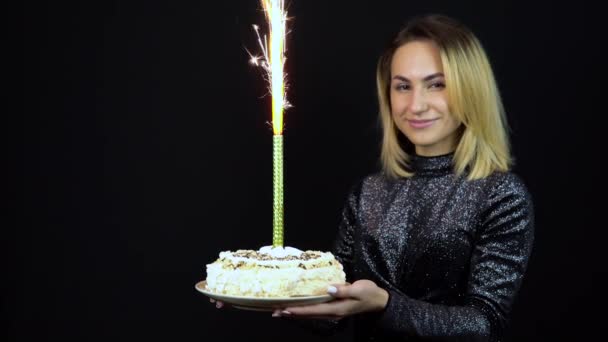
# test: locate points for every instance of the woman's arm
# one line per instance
(498, 263)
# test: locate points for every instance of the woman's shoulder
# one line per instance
(508, 207)
(506, 180)
(376, 181)
(375, 178)
(372, 182)
(506, 184)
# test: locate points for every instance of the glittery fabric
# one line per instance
(451, 252)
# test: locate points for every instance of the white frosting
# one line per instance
(277, 253)
(261, 282)
(280, 252)
(279, 277)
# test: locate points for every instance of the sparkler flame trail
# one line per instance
(273, 58)
(273, 61)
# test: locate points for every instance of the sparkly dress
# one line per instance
(451, 252)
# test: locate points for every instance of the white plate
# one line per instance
(262, 304)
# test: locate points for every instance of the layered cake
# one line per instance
(273, 272)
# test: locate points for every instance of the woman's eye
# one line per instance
(438, 85)
(402, 87)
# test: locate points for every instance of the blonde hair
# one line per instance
(473, 99)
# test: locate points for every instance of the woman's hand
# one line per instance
(361, 296)
(218, 304)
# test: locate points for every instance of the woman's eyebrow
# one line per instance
(426, 79)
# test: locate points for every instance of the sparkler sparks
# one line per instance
(272, 59)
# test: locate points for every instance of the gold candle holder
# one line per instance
(277, 181)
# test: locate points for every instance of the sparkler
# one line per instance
(273, 61)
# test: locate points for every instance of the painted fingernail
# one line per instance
(332, 290)
(219, 305)
(286, 313)
(276, 314)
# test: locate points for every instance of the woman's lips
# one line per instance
(421, 123)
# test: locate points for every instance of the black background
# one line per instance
(143, 150)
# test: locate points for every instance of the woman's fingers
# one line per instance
(287, 314)
(334, 309)
(340, 291)
(218, 304)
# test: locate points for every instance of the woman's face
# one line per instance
(419, 104)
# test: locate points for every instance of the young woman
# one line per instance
(434, 246)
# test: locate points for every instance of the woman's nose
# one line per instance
(418, 102)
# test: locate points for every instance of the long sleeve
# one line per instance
(498, 261)
(343, 247)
